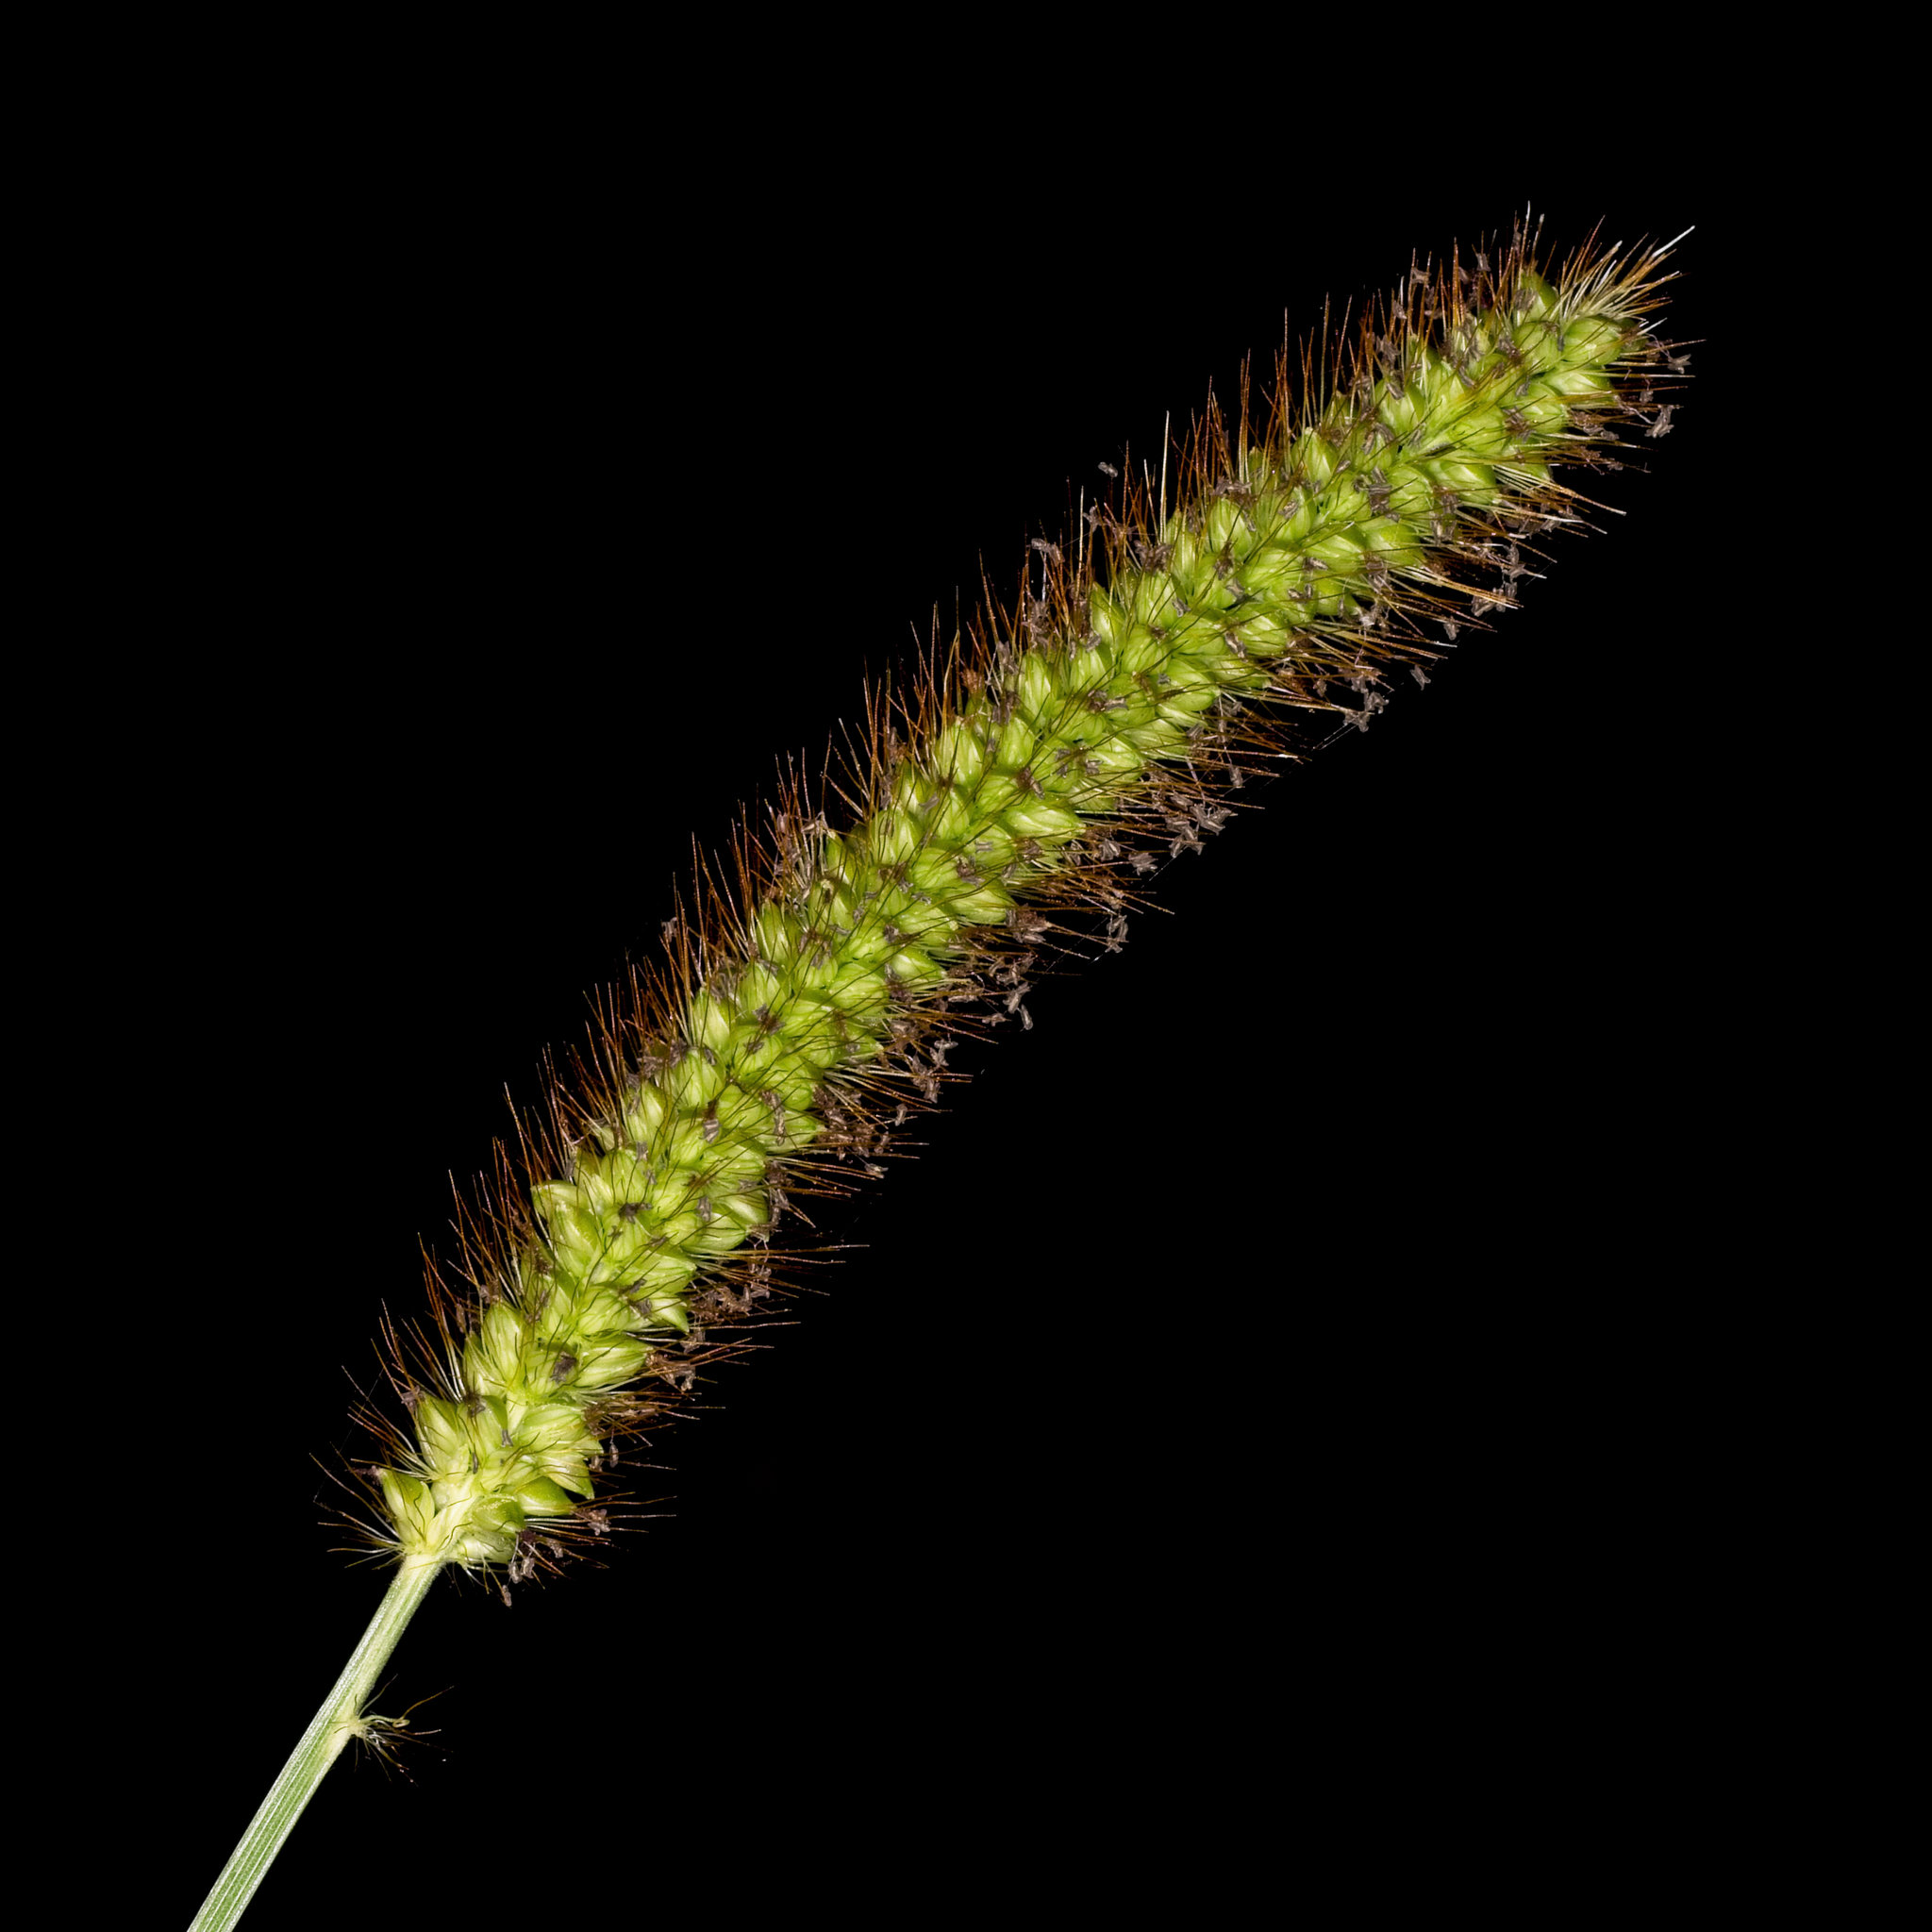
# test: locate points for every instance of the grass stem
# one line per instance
(340, 1718)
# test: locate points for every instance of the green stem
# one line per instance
(331, 1727)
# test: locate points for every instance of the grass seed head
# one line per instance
(999, 814)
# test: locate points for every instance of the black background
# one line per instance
(1280, 1393)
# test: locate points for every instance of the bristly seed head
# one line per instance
(1004, 804)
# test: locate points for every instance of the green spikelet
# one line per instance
(1029, 782)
